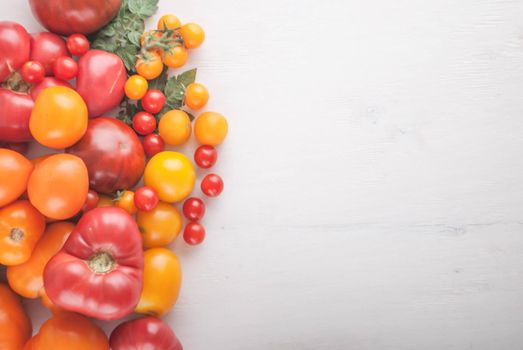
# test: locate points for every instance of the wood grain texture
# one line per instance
(374, 194)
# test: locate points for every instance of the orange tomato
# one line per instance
(150, 67)
(169, 22)
(105, 201)
(210, 128)
(14, 174)
(46, 301)
(136, 87)
(67, 331)
(160, 226)
(175, 57)
(59, 117)
(27, 279)
(15, 325)
(162, 279)
(192, 34)
(125, 200)
(58, 186)
(175, 127)
(21, 226)
(196, 96)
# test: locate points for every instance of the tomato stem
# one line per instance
(16, 234)
(101, 262)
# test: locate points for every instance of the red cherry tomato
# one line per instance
(33, 72)
(153, 101)
(194, 209)
(65, 68)
(212, 185)
(78, 44)
(205, 156)
(146, 198)
(153, 144)
(144, 123)
(91, 202)
(194, 233)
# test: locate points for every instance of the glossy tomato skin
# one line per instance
(194, 209)
(206, 156)
(65, 68)
(146, 198)
(144, 333)
(15, 170)
(212, 185)
(14, 322)
(91, 201)
(194, 233)
(113, 154)
(99, 271)
(47, 82)
(78, 45)
(33, 72)
(70, 17)
(15, 112)
(101, 81)
(153, 101)
(160, 226)
(153, 144)
(144, 123)
(15, 46)
(46, 48)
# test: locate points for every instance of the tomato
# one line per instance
(194, 233)
(193, 35)
(78, 45)
(196, 96)
(14, 322)
(171, 175)
(105, 201)
(169, 22)
(47, 82)
(33, 72)
(176, 57)
(59, 118)
(91, 202)
(144, 333)
(144, 123)
(153, 144)
(66, 331)
(98, 272)
(125, 200)
(21, 226)
(175, 127)
(58, 186)
(46, 48)
(212, 185)
(65, 68)
(113, 154)
(153, 101)
(194, 209)
(136, 87)
(146, 198)
(15, 112)
(27, 279)
(160, 226)
(151, 67)
(206, 156)
(15, 46)
(15, 170)
(210, 128)
(162, 279)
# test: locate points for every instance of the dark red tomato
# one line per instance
(205, 156)
(144, 333)
(194, 209)
(65, 68)
(15, 46)
(47, 82)
(146, 198)
(153, 144)
(15, 111)
(113, 154)
(20, 147)
(33, 72)
(78, 45)
(91, 202)
(46, 48)
(153, 101)
(144, 123)
(212, 185)
(194, 233)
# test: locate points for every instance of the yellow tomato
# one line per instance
(175, 57)
(211, 128)
(160, 226)
(169, 22)
(196, 96)
(136, 87)
(171, 175)
(125, 201)
(151, 67)
(162, 279)
(192, 34)
(175, 127)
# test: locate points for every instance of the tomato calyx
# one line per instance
(16, 234)
(157, 40)
(101, 262)
(16, 83)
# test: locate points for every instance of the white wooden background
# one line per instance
(374, 193)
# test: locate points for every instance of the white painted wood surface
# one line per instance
(374, 193)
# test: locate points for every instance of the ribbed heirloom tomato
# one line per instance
(144, 333)
(15, 325)
(15, 170)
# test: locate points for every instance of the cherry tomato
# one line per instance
(146, 198)
(193, 35)
(212, 185)
(78, 44)
(176, 57)
(151, 67)
(153, 144)
(153, 101)
(160, 226)
(91, 202)
(136, 87)
(33, 72)
(194, 233)
(175, 127)
(125, 200)
(144, 123)
(211, 128)
(205, 156)
(194, 209)
(169, 22)
(65, 68)
(196, 96)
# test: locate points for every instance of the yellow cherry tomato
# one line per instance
(193, 35)
(162, 279)
(125, 201)
(150, 67)
(211, 128)
(136, 87)
(196, 96)
(160, 226)
(169, 22)
(175, 127)
(171, 175)
(176, 57)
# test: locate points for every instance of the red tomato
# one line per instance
(194, 209)
(78, 45)
(144, 333)
(212, 185)
(153, 144)
(144, 123)
(15, 46)
(205, 156)
(65, 68)
(15, 112)
(33, 72)
(91, 202)
(46, 48)
(146, 198)
(194, 233)
(153, 101)
(99, 271)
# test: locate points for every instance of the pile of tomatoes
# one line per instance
(78, 229)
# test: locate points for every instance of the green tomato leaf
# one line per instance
(160, 82)
(186, 78)
(143, 8)
(191, 116)
(134, 38)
